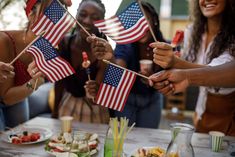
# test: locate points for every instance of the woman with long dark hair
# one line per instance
(211, 42)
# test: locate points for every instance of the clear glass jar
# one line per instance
(180, 145)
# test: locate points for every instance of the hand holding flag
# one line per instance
(48, 61)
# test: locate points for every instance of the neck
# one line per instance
(213, 25)
(81, 42)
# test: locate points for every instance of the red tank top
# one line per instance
(21, 74)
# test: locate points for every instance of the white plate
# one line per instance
(44, 133)
(65, 154)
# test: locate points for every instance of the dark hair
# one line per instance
(155, 20)
(99, 2)
(224, 40)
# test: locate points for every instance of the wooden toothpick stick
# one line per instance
(22, 52)
(108, 62)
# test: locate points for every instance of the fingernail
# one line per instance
(151, 44)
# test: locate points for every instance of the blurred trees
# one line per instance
(12, 14)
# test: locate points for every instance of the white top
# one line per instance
(202, 59)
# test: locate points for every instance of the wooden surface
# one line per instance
(139, 137)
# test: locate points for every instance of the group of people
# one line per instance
(208, 60)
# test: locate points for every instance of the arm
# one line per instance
(11, 94)
(16, 94)
(217, 76)
(58, 96)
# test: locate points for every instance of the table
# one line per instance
(138, 137)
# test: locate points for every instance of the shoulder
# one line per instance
(4, 47)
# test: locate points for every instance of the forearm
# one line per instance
(16, 94)
(58, 96)
(183, 64)
(218, 76)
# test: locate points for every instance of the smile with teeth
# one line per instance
(210, 5)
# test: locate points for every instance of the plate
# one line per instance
(45, 134)
(59, 145)
(146, 150)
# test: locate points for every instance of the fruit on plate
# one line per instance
(24, 137)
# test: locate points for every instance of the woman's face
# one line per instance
(87, 14)
(212, 8)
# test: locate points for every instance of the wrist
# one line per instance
(29, 86)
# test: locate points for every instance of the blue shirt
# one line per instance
(129, 53)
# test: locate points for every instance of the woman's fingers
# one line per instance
(167, 90)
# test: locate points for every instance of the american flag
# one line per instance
(127, 27)
(55, 21)
(115, 88)
(48, 60)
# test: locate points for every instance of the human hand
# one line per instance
(100, 47)
(163, 54)
(169, 81)
(66, 2)
(91, 89)
(34, 71)
(6, 71)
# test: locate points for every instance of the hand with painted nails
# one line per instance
(163, 54)
(6, 71)
(169, 81)
(100, 47)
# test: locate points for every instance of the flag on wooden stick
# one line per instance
(48, 61)
(115, 88)
(127, 27)
(55, 21)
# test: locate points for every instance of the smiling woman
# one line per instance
(70, 96)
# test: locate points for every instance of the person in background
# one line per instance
(144, 103)
(211, 43)
(70, 95)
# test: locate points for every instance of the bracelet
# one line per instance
(29, 85)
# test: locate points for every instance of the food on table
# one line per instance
(173, 155)
(24, 137)
(64, 142)
(149, 152)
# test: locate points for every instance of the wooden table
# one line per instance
(139, 137)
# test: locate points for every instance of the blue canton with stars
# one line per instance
(49, 52)
(131, 15)
(54, 12)
(113, 75)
